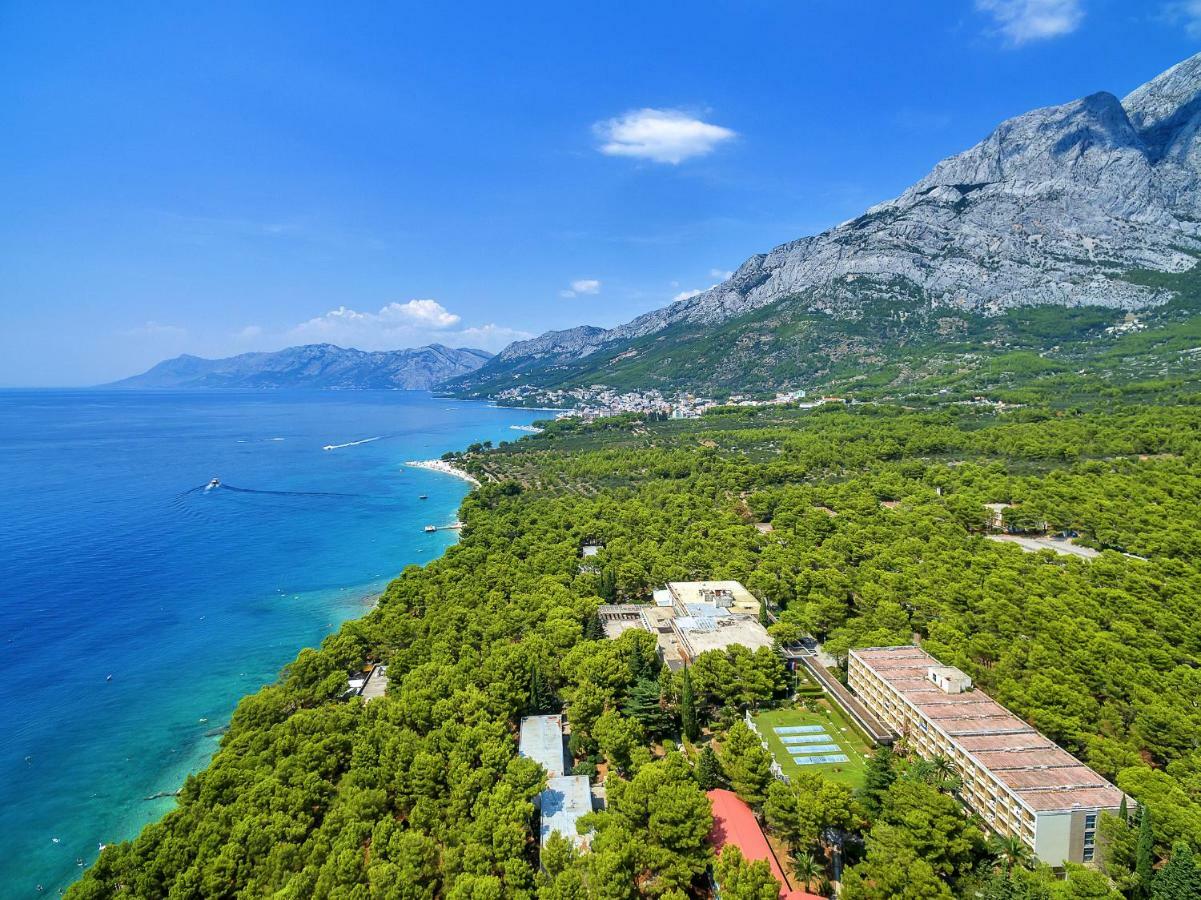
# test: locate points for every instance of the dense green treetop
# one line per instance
(422, 794)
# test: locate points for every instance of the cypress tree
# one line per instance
(1123, 812)
(593, 630)
(1144, 855)
(691, 727)
(540, 698)
(608, 584)
(763, 619)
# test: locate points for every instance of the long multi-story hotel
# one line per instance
(1014, 778)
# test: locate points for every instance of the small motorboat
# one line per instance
(424, 497)
(215, 483)
(431, 527)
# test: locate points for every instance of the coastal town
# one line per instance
(599, 401)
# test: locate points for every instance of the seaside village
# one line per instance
(599, 401)
(1018, 782)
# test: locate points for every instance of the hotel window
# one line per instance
(1088, 854)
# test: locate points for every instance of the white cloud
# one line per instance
(661, 135)
(1186, 12)
(430, 313)
(249, 333)
(720, 274)
(1021, 21)
(581, 286)
(397, 325)
(491, 336)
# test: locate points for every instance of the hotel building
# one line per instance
(1018, 781)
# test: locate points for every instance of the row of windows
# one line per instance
(1002, 812)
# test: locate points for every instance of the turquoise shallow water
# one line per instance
(114, 561)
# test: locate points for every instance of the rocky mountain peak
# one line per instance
(1054, 207)
(1167, 108)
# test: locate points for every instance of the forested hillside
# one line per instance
(878, 537)
(886, 348)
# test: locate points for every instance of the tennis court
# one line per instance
(820, 741)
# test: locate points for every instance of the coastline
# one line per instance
(438, 465)
(277, 616)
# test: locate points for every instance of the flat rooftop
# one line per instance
(719, 633)
(689, 618)
(1043, 775)
(711, 593)
(542, 741)
(565, 800)
(376, 684)
(616, 618)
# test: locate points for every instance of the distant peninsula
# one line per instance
(312, 366)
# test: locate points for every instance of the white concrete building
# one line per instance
(1014, 778)
(689, 618)
(567, 797)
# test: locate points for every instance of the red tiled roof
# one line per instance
(735, 823)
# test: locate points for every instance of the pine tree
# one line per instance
(747, 765)
(708, 770)
(692, 728)
(1144, 858)
(1180, 878)
(642, 704)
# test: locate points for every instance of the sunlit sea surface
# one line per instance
(136, 606)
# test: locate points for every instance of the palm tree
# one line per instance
(1010, 851)
(944, 776)
(806, 867)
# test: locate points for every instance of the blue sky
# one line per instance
(215, 178)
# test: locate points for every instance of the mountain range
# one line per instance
(313, 366)
(1069, 222)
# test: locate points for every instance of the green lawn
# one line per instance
(844, 734)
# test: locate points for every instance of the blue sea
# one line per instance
(137, 607)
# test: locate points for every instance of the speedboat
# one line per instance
(431, 527)
(424, 497)
(215, 483)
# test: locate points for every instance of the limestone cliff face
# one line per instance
(1049, 209)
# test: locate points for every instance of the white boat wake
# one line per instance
(349, 444)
